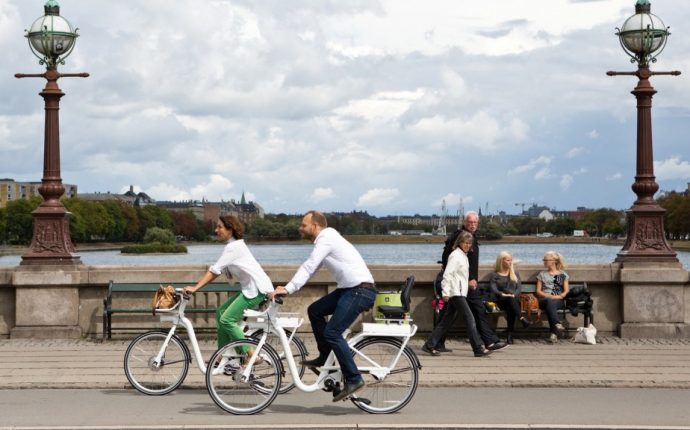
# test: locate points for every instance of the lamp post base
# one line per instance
(51, 243)
(646, 241)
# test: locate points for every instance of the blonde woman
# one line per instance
(506, 287)
(552, 287)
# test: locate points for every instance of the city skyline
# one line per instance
(387, 107)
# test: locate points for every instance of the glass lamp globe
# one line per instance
(51, 37)
(643, 34)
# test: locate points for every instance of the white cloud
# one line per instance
(481, 131)
(320, 194)
(566, 182)
(616, 176)
(167, 192)
(217, 188)
(543, 173)
(381, 107)
(672, 168)
(541, 161)
(377, 197)
(574, 152)
(451, 199)
(283, 98)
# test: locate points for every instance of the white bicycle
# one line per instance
(243, 384)
(157, 362)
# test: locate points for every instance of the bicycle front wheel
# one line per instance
(151, 378)
(233, 390)
(389, 392)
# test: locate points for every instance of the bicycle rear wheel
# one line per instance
(227, 386)
(299, 354)
(145, 375)
(390, 392)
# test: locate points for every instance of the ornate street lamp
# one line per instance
(51, 39)
(643, 37)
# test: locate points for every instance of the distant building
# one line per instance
(546, 215)
(248, 211)
(130, 197)
(577, 215)
(11, 190)
(210, 211)
(417, 219)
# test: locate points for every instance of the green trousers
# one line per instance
(230, 313)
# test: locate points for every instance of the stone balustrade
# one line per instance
(640, 300)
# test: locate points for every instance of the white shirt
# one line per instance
(340, 258)
(455, 277)
(239, 263)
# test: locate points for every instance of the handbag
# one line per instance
(586, 335)
(530, 305)
(164, 298)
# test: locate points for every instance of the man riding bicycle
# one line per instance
(355, 293)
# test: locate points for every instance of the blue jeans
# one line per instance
(551, 306)
(344, 305)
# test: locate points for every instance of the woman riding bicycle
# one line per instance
(238, 262)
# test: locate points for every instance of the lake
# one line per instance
(423, 253)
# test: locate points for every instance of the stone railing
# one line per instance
(49, 301)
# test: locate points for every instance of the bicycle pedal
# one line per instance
(360, 400)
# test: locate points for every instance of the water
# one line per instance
(272, 254)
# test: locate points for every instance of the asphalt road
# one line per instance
(476, 408)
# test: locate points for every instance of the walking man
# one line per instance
(355, 293)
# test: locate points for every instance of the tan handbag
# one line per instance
(530, 305)
(164, 298)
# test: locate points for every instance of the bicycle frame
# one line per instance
(176, 316)
(331, 369)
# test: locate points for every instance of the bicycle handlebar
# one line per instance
(180, 292)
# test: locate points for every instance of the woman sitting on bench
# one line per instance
(552, 287)
(506, 287)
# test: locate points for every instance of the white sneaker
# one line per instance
(560, 329)
(553, 338)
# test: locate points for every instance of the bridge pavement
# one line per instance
(612, 363)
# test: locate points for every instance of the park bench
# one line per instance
(575, 308)
(121, 290)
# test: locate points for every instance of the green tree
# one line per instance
(20, 220)
(90, 220)
(489, 230)
(677, 216)
(153, 216)
(3, 225)
(185, 224)
(601, 222)
(159, 235)
(561, 226)
(527, 225)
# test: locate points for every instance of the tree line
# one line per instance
(109, 221)
(114, 221)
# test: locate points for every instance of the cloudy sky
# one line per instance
(387, 106)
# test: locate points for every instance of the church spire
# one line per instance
(243, 201)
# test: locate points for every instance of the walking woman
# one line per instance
(455, 285)
(236, 262)
(552, 287)
(506, 287)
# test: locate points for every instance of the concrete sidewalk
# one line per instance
(614, 362)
